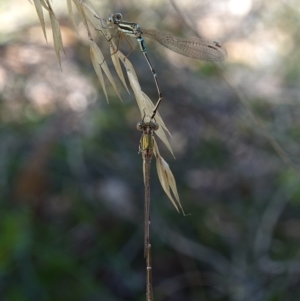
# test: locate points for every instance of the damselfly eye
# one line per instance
(140, 126)
(117, 18)
(154, 126)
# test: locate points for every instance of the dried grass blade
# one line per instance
(78, 5)
(46, 5)
(163, 176)
(138, 93)
(116, 62)
(102, 62)
(167, 179)
(57, 39)
(96, 55)
(127, 64)
(39, 10)
(90, 13)
(72, 15)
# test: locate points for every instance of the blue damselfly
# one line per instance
(195, 48)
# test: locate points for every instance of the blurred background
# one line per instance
(71, 186)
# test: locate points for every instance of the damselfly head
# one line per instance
(152, 125)
(115, 19)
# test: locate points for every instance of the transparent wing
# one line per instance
(191, 47)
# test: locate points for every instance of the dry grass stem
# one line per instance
(102, 63)
(57, 39)
(72, 15)
(95, 53)
(167, 179)
(39, 10)
(117, 65)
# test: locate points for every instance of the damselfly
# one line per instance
(147, 149)
(191, 47)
